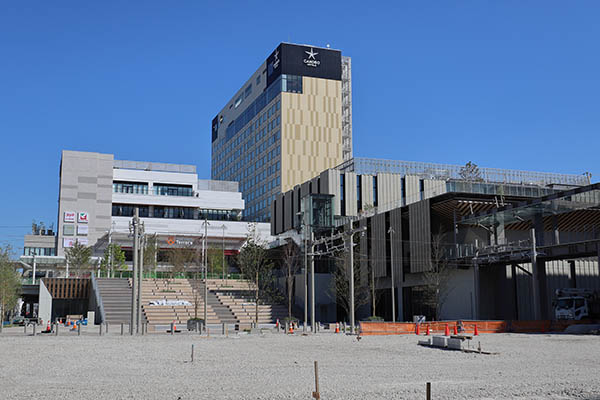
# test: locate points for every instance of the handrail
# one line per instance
(99, 304)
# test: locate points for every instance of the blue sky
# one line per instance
(506, 84)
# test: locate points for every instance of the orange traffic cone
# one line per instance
(447, 331)
(427, 331)
(291, 329)
(174, 327)
(417, 329)
(476, 331)
(277, 323)
(455, 330)
(337, 327)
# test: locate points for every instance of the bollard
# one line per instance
(192, 353)
(25, 326)
(172, 328)
(223, 332)
(146, 326)
(34, 325)
(207, 332)
(428, 391)
(100, 330)
(121, 329)
(106, 323)
(78, 329)
(226, 330)
(56, 327)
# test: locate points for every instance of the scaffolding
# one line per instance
(346, 108)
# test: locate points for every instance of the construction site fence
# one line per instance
(468, 327)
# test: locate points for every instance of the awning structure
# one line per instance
(574, 209)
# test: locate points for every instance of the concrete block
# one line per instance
(440, 341)
(455, 344)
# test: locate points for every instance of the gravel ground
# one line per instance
(276, 366)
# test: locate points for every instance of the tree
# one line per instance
(291, 261)
(10, 284)
(470, 172)
(182, 258)
(257, 268)
(114, 259)
(78, 257)
(437, 277)
(214, 256)
(150, 253)
(340, 284)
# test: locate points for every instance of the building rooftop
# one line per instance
(154, 166)
(372, 166)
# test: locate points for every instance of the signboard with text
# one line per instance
(69, 216)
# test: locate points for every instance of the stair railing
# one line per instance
(99, 305)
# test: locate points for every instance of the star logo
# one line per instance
(311, 54)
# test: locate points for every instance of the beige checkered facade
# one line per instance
(311, 131)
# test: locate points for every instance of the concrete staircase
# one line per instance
(116, 300)
(173, 289)
(222, 311)
(244, 308)
(238, 294)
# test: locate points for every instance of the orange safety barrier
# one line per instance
(386, 328)
(403, 328)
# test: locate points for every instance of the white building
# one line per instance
(98, 195)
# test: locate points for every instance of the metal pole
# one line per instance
(67, 271)
(205, 268)
(391, 232)
(351, 280)
(535, 277)
(223, 266)
(428, 391)
(134, 269)
(305, 270)
(140, 276)
(110, 266)
(312, 286)
(34, 265)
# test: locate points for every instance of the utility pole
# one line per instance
(305, 229)
(109, 267)
(391, 232)
(135, 226)
(351, 249)
(205, 267)
(141, 242)
(223, 265)
(312, 286)
(535, 292)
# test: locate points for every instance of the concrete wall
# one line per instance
(45, 303)
(459, 303)
(85, 186)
